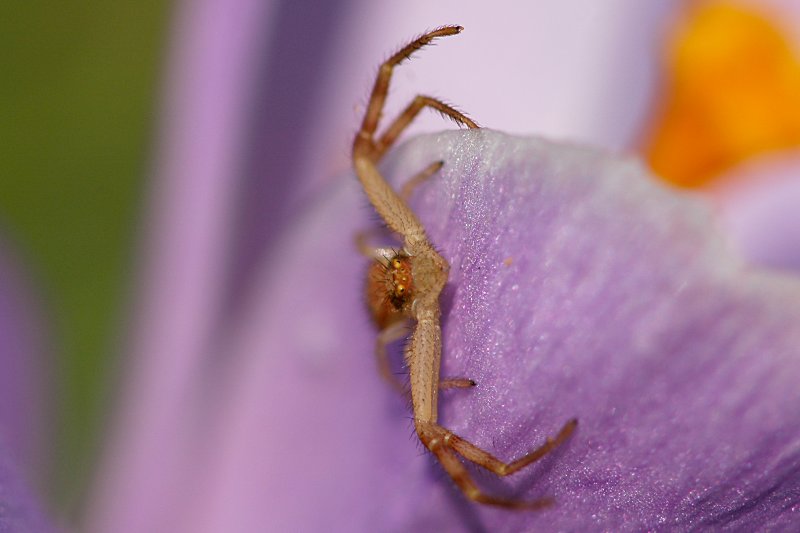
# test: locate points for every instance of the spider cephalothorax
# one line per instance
(404, 287)
(390, 289)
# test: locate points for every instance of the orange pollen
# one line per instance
(732, 86)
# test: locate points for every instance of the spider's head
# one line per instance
(390, 289)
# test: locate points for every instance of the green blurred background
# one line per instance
(77, 102)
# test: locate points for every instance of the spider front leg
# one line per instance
(363, 237)
(366, 151)
(407, 116)
(364, 143)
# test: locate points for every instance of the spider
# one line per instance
(404, 285)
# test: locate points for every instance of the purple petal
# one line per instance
(579, 287)
(19, 509)
(758, 204)
(22, 401)
(23, 376)
(180, 306)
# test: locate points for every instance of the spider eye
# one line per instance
(396, 263)
(399, 290)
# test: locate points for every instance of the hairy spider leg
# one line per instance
(409, 113)
(363, 237)
(411, 185)
(456, 383)
(460, 476)
(395, 332)
(481, 457)
(388, 335)
(381, 88)
(396, 214)
(444, 443)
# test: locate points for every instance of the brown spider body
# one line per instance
(390, 289)
(405, 287)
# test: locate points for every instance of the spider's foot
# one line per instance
(457, 383)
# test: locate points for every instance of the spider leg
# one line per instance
(363, 237)
(436, 442)
(424, 356)
(456, 383)
(481, 457)
(381, 87)
(391, 208)
(393, 332)
(410, 186)
(381, 254)
(407, 116)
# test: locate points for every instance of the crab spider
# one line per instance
(404, 285)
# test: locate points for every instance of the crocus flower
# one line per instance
(580, 287)
(678, 359)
